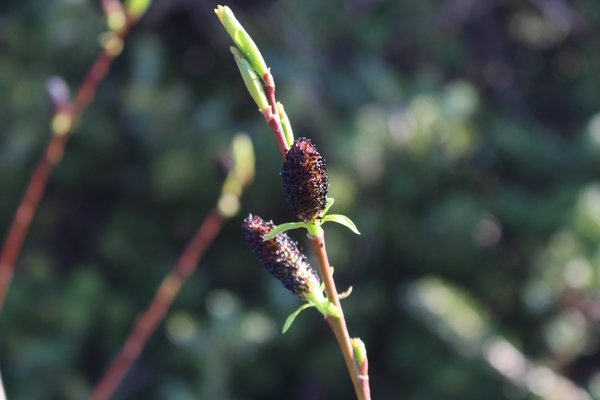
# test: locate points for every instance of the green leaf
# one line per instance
(137, 8)
(284, 228)
(251, 80)
(328, 205)
(290, 319)
(342, 220)
(242, 40)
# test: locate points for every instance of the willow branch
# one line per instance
(271, 114)
(150, 319)
(52, 156)
(238, 179)
(338, 325)
(360, 380)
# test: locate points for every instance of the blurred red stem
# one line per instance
(111, 6)
(150, 319)
(52, 155)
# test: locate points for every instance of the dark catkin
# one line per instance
(281, 256)
(305, 181)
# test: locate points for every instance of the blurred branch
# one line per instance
(461, 321)
(2, 393)
(66, 116)
(227, 206)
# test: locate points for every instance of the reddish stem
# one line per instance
(150, 319)
(52, 156)
(26, 210)
(360, 381)
(111, 6)
(272, 117)
(364, 378)
(338, 325)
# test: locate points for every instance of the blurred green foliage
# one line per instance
(462, 137)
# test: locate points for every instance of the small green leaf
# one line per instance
(137, 8)
(343, 220)
(284, 228)
(251, 80)
(328, 205)
(242, 40)
(290, 319)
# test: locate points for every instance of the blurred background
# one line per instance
(462, 137)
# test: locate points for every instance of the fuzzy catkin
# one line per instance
(305, 181)
(281, 256)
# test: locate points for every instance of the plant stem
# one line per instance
(2, 392)
(364, 378)
(338, 325)
(159, 307)
(26, 210)
(51, 157)
(273, 119)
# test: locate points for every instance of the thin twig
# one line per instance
(51, 157)
(360, 381)
(338, 325)
(156, 312)
(272, 118)
(240, 176)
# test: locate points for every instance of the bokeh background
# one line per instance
(462, 137)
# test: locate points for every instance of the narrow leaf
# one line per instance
(284, 228)
(251, 80)
(328, 205)
(342, 220)
(290, 319)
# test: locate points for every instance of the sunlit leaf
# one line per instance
(284, 228)
(342, 220)
(290, 319)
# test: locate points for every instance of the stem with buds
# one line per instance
(66, 115)
(238, 179)
(338, 325)
(251, 64)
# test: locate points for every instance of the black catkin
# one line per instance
(281, 256)
(305, 181)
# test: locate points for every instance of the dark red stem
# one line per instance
(155, 313)
(273, 118)
(52, 156)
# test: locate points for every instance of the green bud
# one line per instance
(360, 351)
(137, 8)
(321, 303)
(240, 175)
(251, 81)
(242, 40)
(116, 20)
